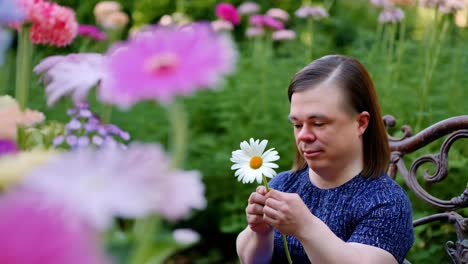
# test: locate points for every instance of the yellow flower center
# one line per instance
(162, 63)
(256, 162)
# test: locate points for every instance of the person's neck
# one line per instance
(332, 178)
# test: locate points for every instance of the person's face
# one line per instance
(327, 133)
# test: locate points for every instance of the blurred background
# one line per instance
(418, 62)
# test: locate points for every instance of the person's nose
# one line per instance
(306, 134)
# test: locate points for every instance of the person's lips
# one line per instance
(311, 153)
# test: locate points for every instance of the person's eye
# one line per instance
(297, 125)
(319, 124)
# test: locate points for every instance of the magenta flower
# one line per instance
(165, 62)
(256, 21)
(33, 232)
(272, 23)
(7, 147)
(92, 32)
(227, 12)
(266, 22)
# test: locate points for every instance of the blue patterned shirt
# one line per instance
(375, 212)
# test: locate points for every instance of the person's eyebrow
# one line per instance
(313, 116)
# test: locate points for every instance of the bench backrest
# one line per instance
(455, 128)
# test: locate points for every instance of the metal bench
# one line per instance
(454, 128)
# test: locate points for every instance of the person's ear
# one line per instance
(363, 122)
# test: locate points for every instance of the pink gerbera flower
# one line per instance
(227, 12)
(51, 23)
(164, 62)
(33, 232)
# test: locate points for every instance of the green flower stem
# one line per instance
(23, 64)
(432, 58)
(400, 51)
(6, 70)
(144, 231)
(106, 113)
(310, 37)
(179, 128)
(377, 42)
(180, 6)
(285, 243)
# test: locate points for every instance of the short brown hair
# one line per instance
(352, 77)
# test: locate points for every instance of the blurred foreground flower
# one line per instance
(14, 167)
(221, 25)
(7, 147)
(165, 62)
(10, 11)
(252, 163)
(101, 184)
(35, 233)
(11, 117)
(72, 74)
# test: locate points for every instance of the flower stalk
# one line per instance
(145, 229)
(23, 64)
(285, 242)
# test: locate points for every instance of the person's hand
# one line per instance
(286, 212)
(254, 212)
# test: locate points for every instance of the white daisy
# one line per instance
(250, 162)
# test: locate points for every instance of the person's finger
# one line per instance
(270, 220)
(256, 198)
(270, 212)
(254, 219)
(254, 209)
(261, 189)
(273, 203)
(274, 194)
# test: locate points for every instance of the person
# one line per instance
(337, 204)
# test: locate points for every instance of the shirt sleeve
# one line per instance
(386, 223)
